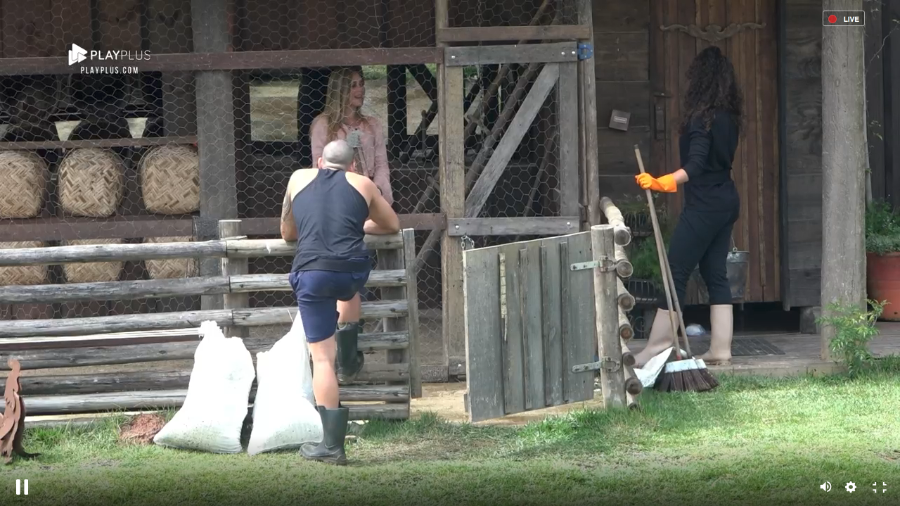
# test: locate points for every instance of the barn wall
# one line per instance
(803, 146)
(621, 59)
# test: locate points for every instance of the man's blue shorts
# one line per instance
(317, 293)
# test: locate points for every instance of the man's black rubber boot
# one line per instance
(334, 427)
(349, 358)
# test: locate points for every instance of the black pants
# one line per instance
(702, 237)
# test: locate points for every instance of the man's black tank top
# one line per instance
(330, 214)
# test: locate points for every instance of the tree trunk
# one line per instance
(843, 166)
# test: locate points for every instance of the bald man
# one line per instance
(328, 211)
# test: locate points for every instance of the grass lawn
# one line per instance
(752, 441)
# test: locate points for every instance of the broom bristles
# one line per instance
(687, 375)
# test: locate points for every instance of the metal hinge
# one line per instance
(585, 50)
(605, 265)
(607, 363)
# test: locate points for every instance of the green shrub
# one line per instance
(853, 329)
(882, 229)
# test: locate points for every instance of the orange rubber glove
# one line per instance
(664, 184)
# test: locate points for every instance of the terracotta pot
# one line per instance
(883, 282)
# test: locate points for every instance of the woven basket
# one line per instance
(170, 179)
(93, 271)
(24, 175)
(91, 182)
(27, 274)
(171, 268)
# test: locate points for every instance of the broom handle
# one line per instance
(663, 265)
(667, 272)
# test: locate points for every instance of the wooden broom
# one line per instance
(681, 373)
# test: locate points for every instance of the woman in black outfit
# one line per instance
(709, 137)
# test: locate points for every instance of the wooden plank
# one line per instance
(621, 56)
(623, 16)
(114, 290)
(424, 221)
(53, 255)
(588, 113)
(239, 60)
(281, 283)
(452, 199)
(393, 259)
(104, 349)
(164, 399)
(484, 373)
(230, 229)
(582, 325)
(144, 381)
(513, 344)
(69, 228)
(526, 53)
(510, 33)
(567, 116)
(875, 105)
(510, 142)
(250, 248)
(612, 383)
(178, 320)
(412, 319)
(552, 322)
(557, 225)
(627, 96)
(101, 143)
(530, 282)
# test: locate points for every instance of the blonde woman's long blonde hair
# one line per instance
(337, 98)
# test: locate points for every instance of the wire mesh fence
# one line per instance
(158, 149)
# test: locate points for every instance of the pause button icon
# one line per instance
(19, 487)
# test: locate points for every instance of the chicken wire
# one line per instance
(275, 116)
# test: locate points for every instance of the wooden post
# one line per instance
(453, 201)
(215, 125)
(843, 167)
(612, 376)
(231, 229)
(588, 94)
(412, 319)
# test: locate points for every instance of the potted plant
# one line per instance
(883, 258)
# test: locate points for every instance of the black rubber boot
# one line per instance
(349, 358)
(334, 427)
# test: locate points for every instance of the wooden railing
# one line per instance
(382, 389)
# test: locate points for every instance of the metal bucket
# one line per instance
(737, 267)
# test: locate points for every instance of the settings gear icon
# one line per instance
(851, 487)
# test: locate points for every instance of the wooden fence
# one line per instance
(48, 348)
(534, 312)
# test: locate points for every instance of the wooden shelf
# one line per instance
(100, 143)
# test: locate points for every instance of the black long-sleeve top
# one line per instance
(706, 156)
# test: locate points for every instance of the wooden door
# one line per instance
(746, 31)
(528, 318)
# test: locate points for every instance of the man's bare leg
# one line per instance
(325, 383)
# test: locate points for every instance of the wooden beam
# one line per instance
(412, 320)
(68, 228)
(510, 33)
(239, 60)
(240, 248)
(567, 118)
(101, 143)
(612, 382)
(588, 94)
(557, 225)
(216, 137)
(271, 226)
(231, 229)
(510, 142)
(452, 139)
(527, 53)
(843, 168)
(160, 399)
(179, 320)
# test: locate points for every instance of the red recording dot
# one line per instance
(832, 19)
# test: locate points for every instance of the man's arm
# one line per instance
(288, 227)
(382, 219)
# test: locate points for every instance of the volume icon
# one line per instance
(826, 486)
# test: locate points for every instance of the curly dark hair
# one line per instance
(711, 87)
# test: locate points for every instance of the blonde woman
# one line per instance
(343, 119)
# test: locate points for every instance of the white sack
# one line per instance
(284, 413)
(214, 410)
